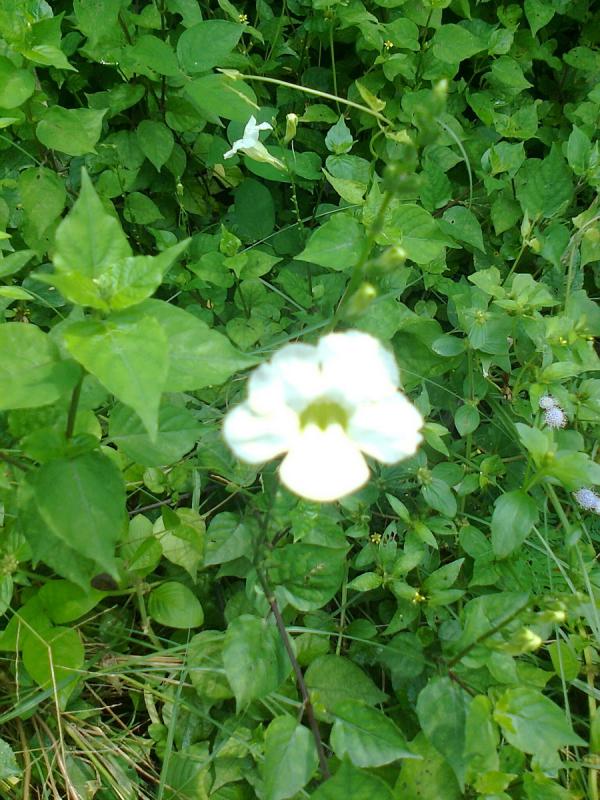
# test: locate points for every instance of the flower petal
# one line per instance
(255, 438)
(323, 465)
(357, 367)
(292, 378)
(388, 429)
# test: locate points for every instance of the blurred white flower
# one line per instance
(546, 402)
(555, 417)
(324, 406)
(588, 499)
(252, 147)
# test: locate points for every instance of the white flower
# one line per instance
(555, 417)
(324, 406)
(546, 402)
(251, 146)
(588, 499)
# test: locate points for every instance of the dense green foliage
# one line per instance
(431, 178)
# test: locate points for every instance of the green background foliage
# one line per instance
(436, 185)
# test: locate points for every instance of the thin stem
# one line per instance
(14, 462)
(73, 407)
(316, 92)
(307, 705)
(26, 761)
(466, 650)
(332, 53)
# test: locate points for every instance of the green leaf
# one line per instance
(466, 419)
(544, 187)
(254, 658)
(43, 195)
(208, 44)
(228, 538)
(205, 664)
(16, 85)
(31, 372)
(438, 495)
(254, 212)
(156, 141)
(309, 574)
(579, 150)
(463, 225)
(152, 53)
(337, 244)
(349, 782)
(366, 736)
(515, 514)
(181, 536)
(130, 360)
(223, 96)
(178, 432)
(442, 708)
(416, 231)
(9, 769)
(538, 14)
(333, 680)
(174, 605)
(198, 355)
(290, 758)
(78, 503)
(64, 601)
(74, 131)
(533, 723)
(54, 658)
(454, 43)
(89, 240)
(429, 778)
(339, 137)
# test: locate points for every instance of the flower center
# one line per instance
(323, 413)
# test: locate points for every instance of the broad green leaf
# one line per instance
(442, 708)
(181, 537)
(130, 360)
(222, 96)
(254, 658)
(43, 195)
(178, 432)
(309, 574)
(579, 150)
(290, 758)
(481, 738)
(187, 773)
(228, 538)
(55, 658)
(349, 782)
(74, 131)
(515, 514)
(454, 43)
(89, 240)
(254, 211)
(78, 503)
(429, 778)
(198, 355)
(366, 736)
(31, 372)
(463, 225)
(9, 769)
(339, 137)
(438, 495)
(13, 262)
(337, 244)
(205, 665)
(154, 54)
(174, 605)
(333, 680)
(466, 419)
(532, 723)
(156, 141)
(16, 85)
(207, 44)
(544, 187)
(538, 14)
(130, 281)
(64, 601)
(416, 231)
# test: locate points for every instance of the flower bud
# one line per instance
(361, 299)
(291, 125)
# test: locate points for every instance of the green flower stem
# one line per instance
(306, 703)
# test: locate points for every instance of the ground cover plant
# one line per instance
(190, 189)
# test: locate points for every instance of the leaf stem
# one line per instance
(73, 407)
(455, 660)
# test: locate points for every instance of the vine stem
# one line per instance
(306, 703)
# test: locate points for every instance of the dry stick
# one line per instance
(26, 761)
(307, 705)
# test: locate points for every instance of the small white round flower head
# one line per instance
(546, 402)
(324, 406)
(555, 417)
(588, 499)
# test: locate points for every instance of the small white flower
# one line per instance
(555, 417)
(588, 499)
(546, 402)
(324, 406)
(251, 146)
